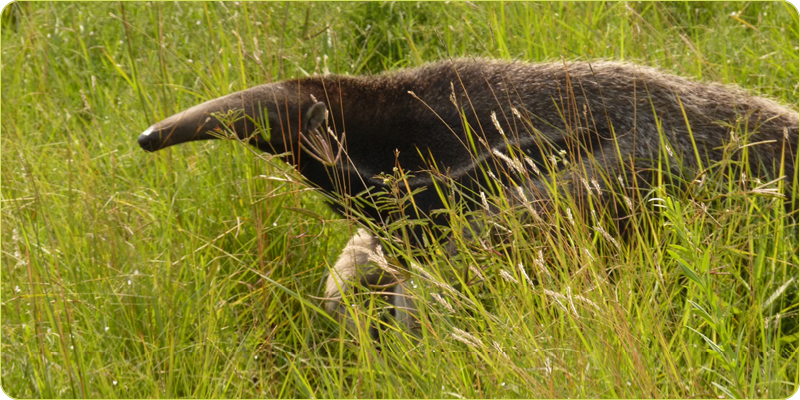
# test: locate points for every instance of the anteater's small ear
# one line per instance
(315, 116)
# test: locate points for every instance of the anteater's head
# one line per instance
(269, 117)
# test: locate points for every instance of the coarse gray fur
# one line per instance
(607, 118)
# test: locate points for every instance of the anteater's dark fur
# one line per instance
(604, 115)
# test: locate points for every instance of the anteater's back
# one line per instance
(611, 108)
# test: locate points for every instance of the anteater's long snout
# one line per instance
(199, 122)
(185, 126)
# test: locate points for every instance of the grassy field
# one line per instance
(196, 271)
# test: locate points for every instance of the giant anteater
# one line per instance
(459, 117)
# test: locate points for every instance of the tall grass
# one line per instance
(196, 271)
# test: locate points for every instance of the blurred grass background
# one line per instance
(190, 272)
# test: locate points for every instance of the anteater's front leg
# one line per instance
(360, 265)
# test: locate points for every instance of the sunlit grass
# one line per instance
(196, 271)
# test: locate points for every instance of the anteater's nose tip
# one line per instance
(148, 140)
